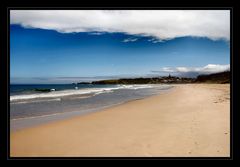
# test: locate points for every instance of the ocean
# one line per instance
(36, 104)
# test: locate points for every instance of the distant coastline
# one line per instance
(222, 77)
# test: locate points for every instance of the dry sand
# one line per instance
(189, 120)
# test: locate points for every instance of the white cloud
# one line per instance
(212, 68)
(161, 24)
(155, 40)
(167, 69)
(130, 40)
(182, 69)
(96, 33)
(208, 69)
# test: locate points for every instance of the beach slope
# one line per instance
(189, 120)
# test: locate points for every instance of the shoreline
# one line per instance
(33, 121)
(143, 127)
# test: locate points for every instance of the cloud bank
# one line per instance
(194, 71)
(161, 24)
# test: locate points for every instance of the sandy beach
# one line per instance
(191, 120)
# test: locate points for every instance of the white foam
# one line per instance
(34, 101)
(62, 93)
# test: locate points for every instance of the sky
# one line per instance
(82, 45)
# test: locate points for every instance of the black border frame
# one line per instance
(232, 84)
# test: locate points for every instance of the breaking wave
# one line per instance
(63, 93)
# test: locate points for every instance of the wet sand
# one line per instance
(189, 120)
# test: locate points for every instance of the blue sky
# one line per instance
(38, 53)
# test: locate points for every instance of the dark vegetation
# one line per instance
(222, 77)
(156, 80)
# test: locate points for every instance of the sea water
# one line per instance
(29, 107)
